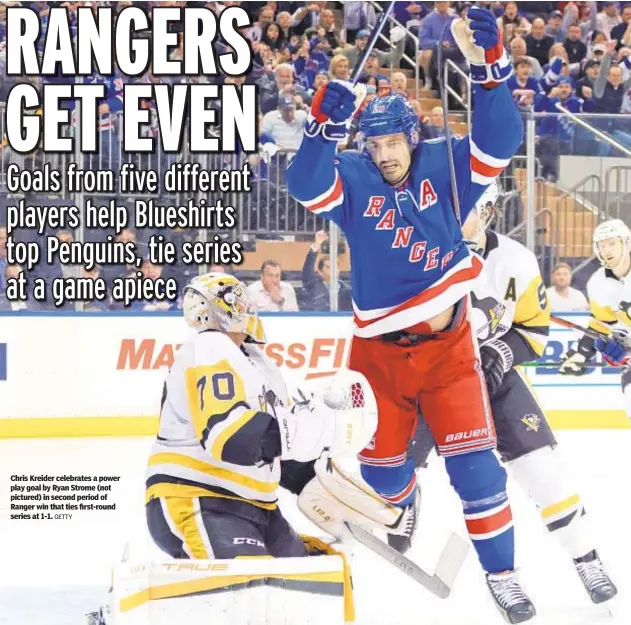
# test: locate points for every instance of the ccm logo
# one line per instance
(464, 436)
(248, 541)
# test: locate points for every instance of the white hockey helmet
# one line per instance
(484, 210)
(218, 301)
(612, 229)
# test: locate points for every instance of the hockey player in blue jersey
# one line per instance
(411, 276)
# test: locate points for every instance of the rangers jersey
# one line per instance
(509, 299)
(216, 407)
(409, 262)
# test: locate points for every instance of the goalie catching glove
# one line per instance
(334, 106)
(480, 41)
(342, 422)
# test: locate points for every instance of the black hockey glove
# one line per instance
(497, 360)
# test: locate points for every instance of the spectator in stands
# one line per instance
(518, 51)
(93, 305)
(523, 85)
(10, 272)
(556, 131)
(109, 272)
(385, 58)
(358, 16)
(609, 89)
(3, 257)
(557, 24)
(430, 35)
(321, 78)
(282, 85)
(307, 17)
(284, 21)
(265, 17)
(585, 86)
(273, 37)
(512, 24)
(410, 13)
(574, 46)
(286, 125)
(69, 271)
(327, 22)
(270, 293)
(538, 44)
(372, 69)
(622, 32)
(562, 296)
(608, 18)
(316, 279)
(151, 271)
(340, 68)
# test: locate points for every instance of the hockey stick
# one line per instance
(447, 567)
(450, 149)
(558, 364)
(593, 334)
(376, 31)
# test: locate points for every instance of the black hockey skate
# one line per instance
(509, 597)
(597, 583)
(406, 525)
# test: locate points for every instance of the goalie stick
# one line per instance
(447, 568)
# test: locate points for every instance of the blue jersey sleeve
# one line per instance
(314, 179)
(496, 134)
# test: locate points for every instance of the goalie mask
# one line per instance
(481, 217)
(218, 301)
(615, 232)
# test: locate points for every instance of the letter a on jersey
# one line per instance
(428, 195)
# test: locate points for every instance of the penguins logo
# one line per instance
(532, 422)
(493, 312)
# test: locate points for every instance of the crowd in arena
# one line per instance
(577, 54)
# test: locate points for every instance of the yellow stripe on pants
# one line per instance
(183, 516)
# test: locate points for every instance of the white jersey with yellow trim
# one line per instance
(609, 301)
(510, 296)
(215, 409)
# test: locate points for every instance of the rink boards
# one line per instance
(101, 374)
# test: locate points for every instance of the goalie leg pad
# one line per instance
(542, 476)
(251, 591)
(480, 482)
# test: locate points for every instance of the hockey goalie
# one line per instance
(227, 431)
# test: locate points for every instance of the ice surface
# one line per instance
(53, 572)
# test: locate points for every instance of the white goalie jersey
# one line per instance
(509, 299)
(216, 406)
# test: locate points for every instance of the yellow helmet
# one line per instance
(218, 301)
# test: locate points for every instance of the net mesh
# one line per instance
(357, 395)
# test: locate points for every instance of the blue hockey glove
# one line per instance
(480, 41)
(613, 351)
(333, 108)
